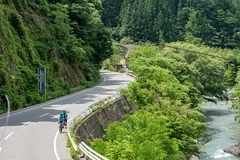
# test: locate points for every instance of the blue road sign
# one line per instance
(42, 80)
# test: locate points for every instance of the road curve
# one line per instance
(31, 133)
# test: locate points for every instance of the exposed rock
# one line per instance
(217, 112)
(193, 157)
(234, 150)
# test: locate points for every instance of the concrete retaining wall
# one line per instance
(93, 126)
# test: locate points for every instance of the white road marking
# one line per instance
(0, 149)
(8, 136)
(55, 145)
(55, 139)
(26, 124)
(76, 102)
(44, 115)
(49, 103)
(53, 101)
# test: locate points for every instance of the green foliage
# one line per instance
(96, 107)
(75, 124)
(139, 138)
(74, 154)
(201, 72)
(121, 70)
(112, 68)
(119, 50)
(60, 36)
(233, 68)
(214, 22)
(111, 11)
(126, 40)
(170, 83)
(114, 59)
(106, 64)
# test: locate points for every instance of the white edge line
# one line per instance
(77, 93)
(26, 124)
(55, 139)
(44, 115)
(9, 135)
(55, 146)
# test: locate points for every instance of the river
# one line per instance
(224, 131)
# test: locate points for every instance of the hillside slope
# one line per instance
(65, 37)
(212, 22)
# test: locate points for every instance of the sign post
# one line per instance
(42, 81)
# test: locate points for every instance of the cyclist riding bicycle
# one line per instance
(64, 113)
(61, 119)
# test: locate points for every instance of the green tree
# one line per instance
(65, 37)
(212, 22)
(143, 135)
(111, 12)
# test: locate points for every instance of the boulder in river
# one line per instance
(234, 150)
(193, 157)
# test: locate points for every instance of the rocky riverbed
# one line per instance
(234, 150)
(223, 131)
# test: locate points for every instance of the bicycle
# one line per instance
(61, 127)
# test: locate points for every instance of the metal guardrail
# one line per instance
(90, 153)
(87, 151)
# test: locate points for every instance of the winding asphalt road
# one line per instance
(32, 133)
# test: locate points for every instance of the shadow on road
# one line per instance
(74, 102)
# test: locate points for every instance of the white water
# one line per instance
(224, 130)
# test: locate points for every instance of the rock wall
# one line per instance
(93, 126)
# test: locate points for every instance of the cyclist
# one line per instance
(61, 119)
(64, 113)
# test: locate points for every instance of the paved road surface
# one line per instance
(32, 133)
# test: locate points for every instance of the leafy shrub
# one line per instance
(111, 68)
(121, 70)
(142, 136)
(126, 40)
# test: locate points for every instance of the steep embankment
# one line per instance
(68, 39)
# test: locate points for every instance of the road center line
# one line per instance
(55, 100)
(8, 136)
(76, 102)
(44, 115)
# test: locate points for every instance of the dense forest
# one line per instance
(212, 22)
(172, 79)
(170, 83)
(67, 38)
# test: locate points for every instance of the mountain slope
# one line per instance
(65, 37)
